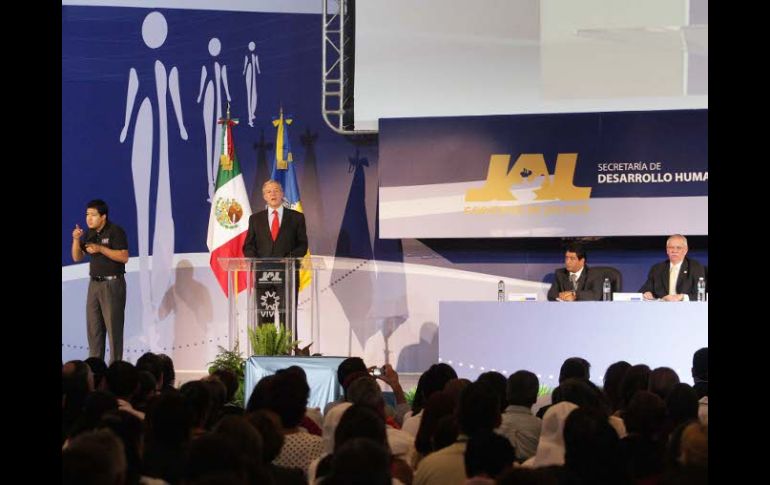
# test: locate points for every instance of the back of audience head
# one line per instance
(151, 363)
(94, 407)
(455, 387)
(217, 401)
(122, 379)
(488, 455)
(169, 375)
(592, 450)
(700, 372)
(478, 409)
(496, 381)
(98, 368)
(575, 367)
(287, 396)
(645, 415)
(169, 420)
(360, 461)
(637, 378)
(212, 455)
(613, 378)
(662, 381)
(268, 424)
(360, 421)
(349, 369)
(260, 394)
(584, 394)
(230, 380)
(198, 400)
(77, 383)
(146, 388)
(700, 364)
(432, 380)
(439, 405)
(129, 429)
(366, 392)
(682, 404)
(694, 446)
(522, 389)
(94, 458)
(248, 442)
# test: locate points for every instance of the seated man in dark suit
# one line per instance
(675, 279)
(575, 282)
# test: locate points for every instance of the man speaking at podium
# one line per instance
(276, 232)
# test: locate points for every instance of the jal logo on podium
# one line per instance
(270, 277)
(528, 167)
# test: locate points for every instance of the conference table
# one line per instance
(475, 337)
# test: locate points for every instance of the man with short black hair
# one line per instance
(107, 245)
(575, 282)
(518, 424)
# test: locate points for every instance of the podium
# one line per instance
(271, 293)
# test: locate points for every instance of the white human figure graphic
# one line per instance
(250, 70)
(209, 117)
(153, 287)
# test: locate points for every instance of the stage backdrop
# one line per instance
(141, 91)
(555, 175)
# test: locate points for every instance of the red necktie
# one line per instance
(274, 226)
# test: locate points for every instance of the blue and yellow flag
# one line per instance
(284, 173)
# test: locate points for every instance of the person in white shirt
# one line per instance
(518, 424)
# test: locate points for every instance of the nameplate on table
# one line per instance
(522, 296)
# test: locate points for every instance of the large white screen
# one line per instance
(453, 57)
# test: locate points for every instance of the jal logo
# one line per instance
(271, 276)
(528, 167)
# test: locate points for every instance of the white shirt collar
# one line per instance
(270, 214)
(578, 273)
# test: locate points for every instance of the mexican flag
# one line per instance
(230, 210)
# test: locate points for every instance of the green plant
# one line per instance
(409, 395)
(543, 390)
(231, 360)
(266, 339)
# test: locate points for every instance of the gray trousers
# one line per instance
(105, 311)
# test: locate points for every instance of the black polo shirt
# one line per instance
(113, 237)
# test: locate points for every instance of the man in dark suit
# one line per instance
(269, 237)
(676, 278)
(277, 232)
(575, 282)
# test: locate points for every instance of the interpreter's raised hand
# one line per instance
(77, 233)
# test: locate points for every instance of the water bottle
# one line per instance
(500, 291)
(701, 289)
(606, 290)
